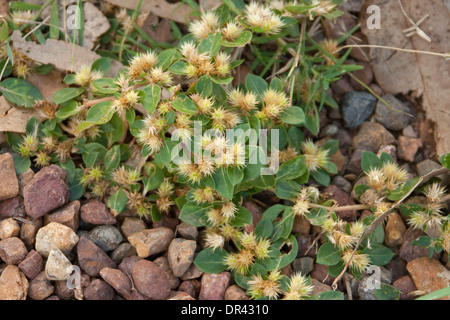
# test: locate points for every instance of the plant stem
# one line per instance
(341, 208)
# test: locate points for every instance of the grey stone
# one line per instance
(122, 251)
(106, 237)
(390, 118)
(303, 265)
(342, 183)
(357, 107)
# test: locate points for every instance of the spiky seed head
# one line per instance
(257, 15)
(331, 46)
(224, 119)
(42, 159)
(394, 175)
(248, 240)
(240, 262)
(29, 145)
(85, 75)
(22, 70)
(315, 157)
(262, 249)
(91, 175)
(213, 240)
(381, 207)
(204, 104)
(298, 288)
(125, 177)
(376, 179)
(49, 143)
(157, 75)
(343, 240)
(301, 207)
(245, 101)
(208, 23)
(222, 64)
(229, 232)
(434, 192)
(232, 31)
(99, 189)
(321, 7)
(358, 262)
(163, 204)
(215, 218)
(206, 195)
(142, 63)
(166, 188)
(357, 229)
(20, 17)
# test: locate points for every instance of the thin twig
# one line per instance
(342, 208)
(444, 55)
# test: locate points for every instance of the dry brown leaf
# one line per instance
(15, 119)
(48, 84)
(63, 55)
(421, 74)
(178, 12)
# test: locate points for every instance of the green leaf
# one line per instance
(282, 228)
(272, 213)
(242, 217)
(387, 292)
(21, 164)
(292, 168)
(100, 113)
(210, 45)
(194, 215)
(112, 158)
(117, 201)
(168, 56)
(328, 254)
(43, 69)
(331, 295)
(244, 38)
(379, 255)
(102, 64)
(287, 259)
(211, 261)
(293, 115)
(21, 5)
(264, 228)
(403, 190)
(152, 97)
(321, 176)
(179, 67)
(105, 86)
(224, 185)
(183, 104)
(66, 94)
(154, 179)
(221, 80)
(369, 160)
(317, 216)
(20, 92)
(438, 294)
(423, 241)
(54, 21)
(69, 109)
(287, 189)
(255, 84)
(445, 160)
(331, 145)
(204, 86)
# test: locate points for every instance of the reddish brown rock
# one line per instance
(365, 75)
(319, 287)
(24, 179)
(408, 251)
(192, 273)
(167, 222)
(127, 263)
(390, 149)
(164, 265)
(371, 136)
(9, 184)
(394, 231)
(397, 267)
(180, 295)
(99, 290)
(69, 215)
(188, 287)
(150, 280)
(234, 292)
(181, 255)
(429, 275)
(408, 147)
(406, 286)
(13, 284)
(306, 247)
(12, 251)
(32, 265)
(187, 231)
(131, 225)
(342, 199)
(214, 286)
(117, 279)
(151, 241)
(55, 236)
(13, 207)
(301, 225)
(28, 231)
(9, 228)
(40, 287)
(47, 191)
(96, 212)
(91, 258)
(256, 215)
(54, 297)
(62, 291)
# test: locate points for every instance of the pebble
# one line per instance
(99, 290)
(354, 165)
(32, 265)
(406, 285)
(256, 215)
(151, 241)
(408, 251)
(68, 215)
(428, 166)
(330, 130)
(128, 263)
(357, 107)
(366, 289)
(117, 279)
(408, 147)
(106, 237)
(188, 287)
(429, 275)
(397, 266)
(13, 284)
(58, 267)
(9, 228)
(214, 286)
(234, 292)
(150, 280)
(48, 190)
(371, 136)
(164, 265)
(24, 179)
(303, 265)
(395, 230)
(29, 230)
(365, 75)
(409, 131)
(122, 251)
(301, 225)
(342, 199)
(40, 288)
(13, 207)
(167, 222)
(91, 258)
(192, 273)
(319, 287)
(95, 212)
(320, 273)
(55, 236)
(9, 184)
(180, 296)
(181, 255)
(13, 251)
(305, 246)
(340, 87)
(187, 231)
(62, 291)
(390, 149)
(390, 118)
(342, 184)
(131, 225)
